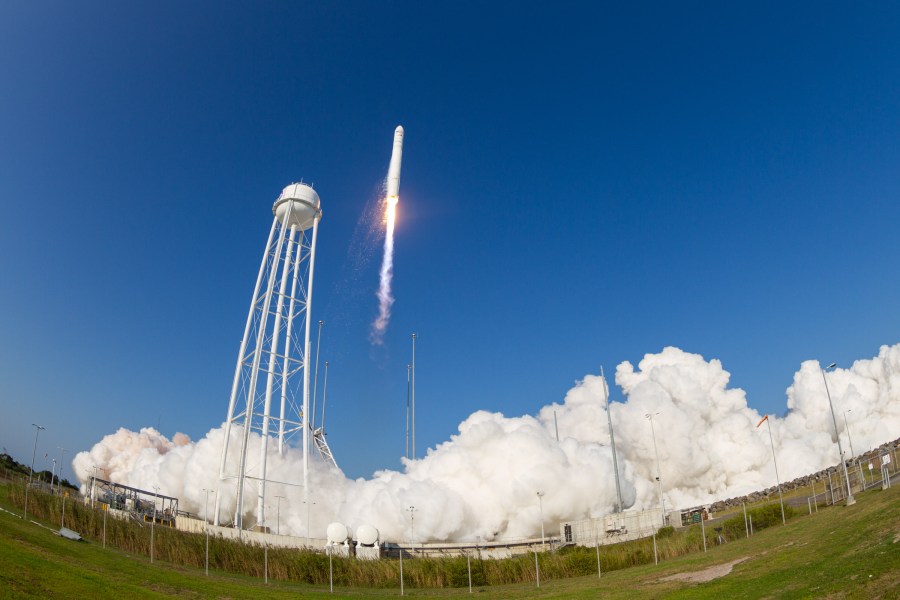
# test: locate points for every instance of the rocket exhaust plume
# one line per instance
(385, 296)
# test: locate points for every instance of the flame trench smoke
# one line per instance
(385, 296)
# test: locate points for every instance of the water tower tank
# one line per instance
(304, 205)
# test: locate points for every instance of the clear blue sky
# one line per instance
(582, 184)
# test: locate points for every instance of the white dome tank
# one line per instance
(304, 205)
(367, 535)
(337, 533)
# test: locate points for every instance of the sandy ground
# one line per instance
(706, 574)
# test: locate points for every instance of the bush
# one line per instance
(762, 517)
(664, 532)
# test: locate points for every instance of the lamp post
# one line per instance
(316, 374)
(850, 499)
(37, 430)
(278, 515)
(413, 396)
(206, 523)
(612, 443)
(307, 503)
(540, 496)
(93, 485)
(408, 380)
(662, 503)
(62, 452)
(775, 462)
(412, 525)
(849, 437)
(153, 520)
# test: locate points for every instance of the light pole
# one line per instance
(62, 452)
(540, 496)
(37, 430)
(278, 515)
(307, 503)
(93, 484)
(206, 522)
(775, 462)
(662, 503)
(413, 396)
(612, 443)
(412, 525)
(849, 438)
(316, 374)
(153, 520)
(850, 499)
(408, 370)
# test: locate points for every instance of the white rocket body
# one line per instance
(393, 177)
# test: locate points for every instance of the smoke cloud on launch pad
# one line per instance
(483, 480)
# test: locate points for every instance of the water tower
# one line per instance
(270, 391)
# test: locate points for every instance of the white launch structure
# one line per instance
(273, 364)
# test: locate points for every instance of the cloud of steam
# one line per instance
(484, 480)
(385, 296)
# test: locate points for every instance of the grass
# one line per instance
(839, 552)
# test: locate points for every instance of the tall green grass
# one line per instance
(305, 566)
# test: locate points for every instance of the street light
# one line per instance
(307, 503)
(850, 499)
(93, 484)
(37, 430)
(540, 496)
(413, 396)
(412, 524)
(206, 523)
(612, 443)
(408, 380)
(662, 502)
(849, 438)
(316, 375)
(62, 452)
(153, 520)
(775, 462)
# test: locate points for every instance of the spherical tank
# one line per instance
(367, 535)
(304, 205)
(337, 533)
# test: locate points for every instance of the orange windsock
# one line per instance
(763, 420)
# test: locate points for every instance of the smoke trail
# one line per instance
(482, 482)
(385, 296)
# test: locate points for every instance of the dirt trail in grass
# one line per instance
(706, 574)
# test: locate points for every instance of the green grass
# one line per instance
(839, 552)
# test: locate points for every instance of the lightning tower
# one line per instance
(273, 363)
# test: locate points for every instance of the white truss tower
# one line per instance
(273, 361)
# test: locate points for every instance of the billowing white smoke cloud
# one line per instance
(484, 480)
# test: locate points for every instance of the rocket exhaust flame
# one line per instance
(386, 275)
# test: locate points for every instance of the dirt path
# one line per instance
(706, 574)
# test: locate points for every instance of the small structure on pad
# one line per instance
(612, 528)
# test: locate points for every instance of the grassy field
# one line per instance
(839, 552)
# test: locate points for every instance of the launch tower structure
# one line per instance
(270, 392)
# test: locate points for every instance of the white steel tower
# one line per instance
(273, 360)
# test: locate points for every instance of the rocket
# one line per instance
(393, 176)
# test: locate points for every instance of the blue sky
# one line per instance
(582, 184)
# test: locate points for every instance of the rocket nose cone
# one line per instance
(398, 131)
